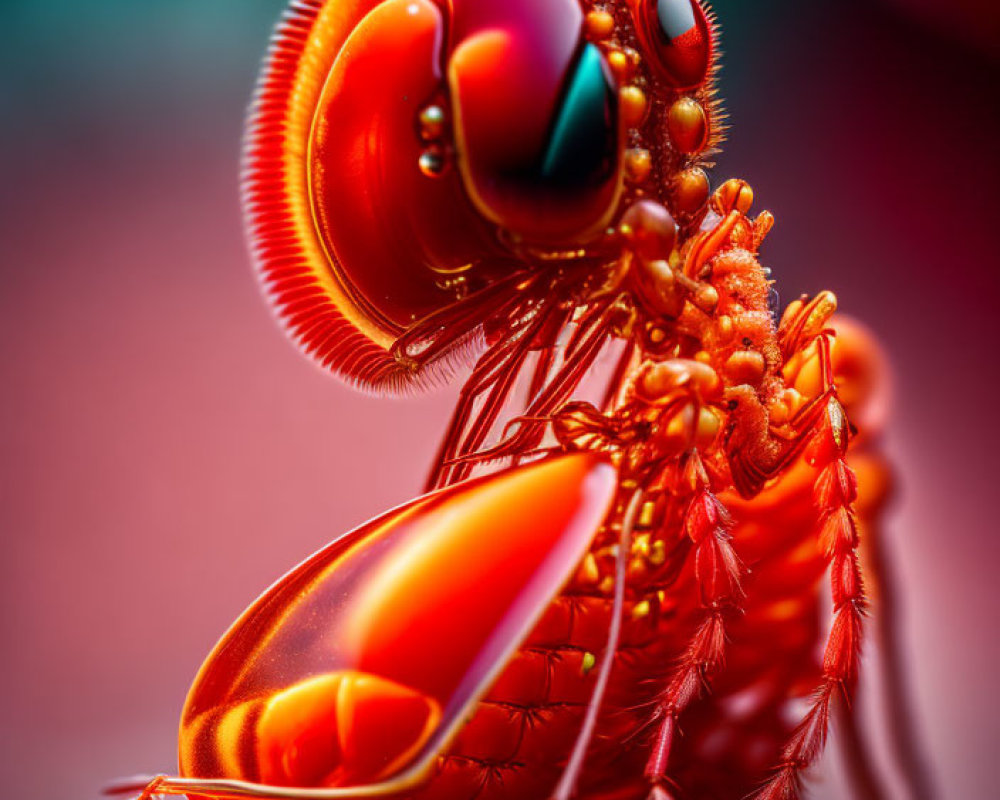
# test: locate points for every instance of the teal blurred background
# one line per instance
(167, 454)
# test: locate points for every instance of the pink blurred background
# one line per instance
(167, 454)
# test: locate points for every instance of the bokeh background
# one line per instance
(166, 454)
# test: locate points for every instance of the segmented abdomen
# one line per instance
(516, 744)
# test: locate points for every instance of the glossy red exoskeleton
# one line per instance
(629, 604)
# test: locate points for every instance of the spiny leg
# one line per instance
(860, 372)
(820, 433)
(545, 322)
(483, 376)
(543, 364)
(766, 455)
(491, 409)
(835, 491)
(493, 368)
(863, 777)
(584, 325)
(617, 379)
(567, 378)
(546, 357)
(717, 571)
(435, 336)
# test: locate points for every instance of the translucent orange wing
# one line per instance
(358, 667)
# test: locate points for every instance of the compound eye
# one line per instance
(678, 37)
(580, 151)
(537, 123)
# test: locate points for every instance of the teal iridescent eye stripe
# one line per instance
(583, 136)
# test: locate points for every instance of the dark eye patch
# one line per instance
(677, 37)
(676, 17)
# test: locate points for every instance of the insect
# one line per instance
(629, 605)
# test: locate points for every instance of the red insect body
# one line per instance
(637, 611)
(397, 661)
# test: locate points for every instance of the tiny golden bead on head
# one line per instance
(588, 663)
(599, 24)
(733, 195)
(624, 63)
(649, 230)
(432, 122)
(619, 65)
(634, 105)
(638, 164)
(687, 124)
(431, 163)
(691, 189)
